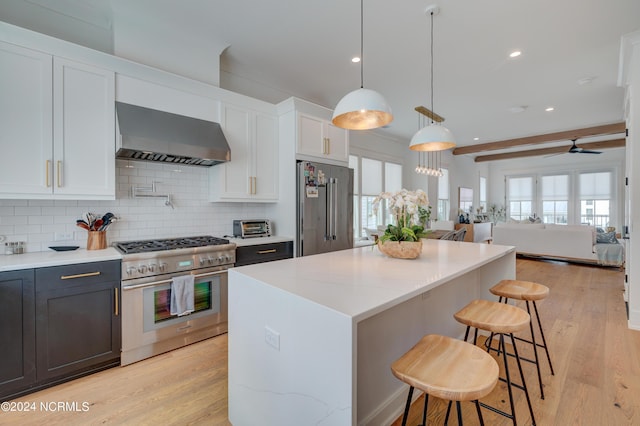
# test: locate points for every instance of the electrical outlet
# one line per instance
(63, 236)
(272, 337)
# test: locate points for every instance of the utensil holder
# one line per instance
(97, 240)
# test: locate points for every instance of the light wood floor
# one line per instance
(596, 358)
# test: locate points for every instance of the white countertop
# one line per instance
(41, 259)
(240, 242)
(361, 282)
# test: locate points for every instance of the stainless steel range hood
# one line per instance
(152, 135)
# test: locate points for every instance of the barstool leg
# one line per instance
(508, 378)
(479, 412)
(459, 413)
(544, 341)
(424, 411)
(535, 350)
(524, 383)
(446, 417)
(407, 406)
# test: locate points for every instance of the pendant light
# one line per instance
(362, 109)
(434, 137)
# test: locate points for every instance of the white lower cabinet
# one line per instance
(58, 122)
(252, 173)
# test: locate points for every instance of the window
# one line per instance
(443, 195)
(555, 199)
(371, 177)
(520, 197)
(483, 194)
(596, 198)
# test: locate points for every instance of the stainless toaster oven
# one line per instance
(251, 228)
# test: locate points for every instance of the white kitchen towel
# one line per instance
(182, 295)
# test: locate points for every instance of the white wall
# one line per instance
(37, 221)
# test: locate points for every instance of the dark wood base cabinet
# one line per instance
(17, 332)
(75, 310)
(252, 254)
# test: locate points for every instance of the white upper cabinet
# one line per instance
(26, 117)
(84, 130)
(320, 139)
(252, 173)
(58, 124)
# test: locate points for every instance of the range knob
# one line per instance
(220, 259)
(152, 267)
(162, 266)
(210, 260)
(142, 269)
(131, 270)
(202, 261)
(227, 258)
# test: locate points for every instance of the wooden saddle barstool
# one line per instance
(529, 292)
(449, 369)
(498, 318)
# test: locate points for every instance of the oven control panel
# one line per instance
(149, 265)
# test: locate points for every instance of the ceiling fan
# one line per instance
(575, 150)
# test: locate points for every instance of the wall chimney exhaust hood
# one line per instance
(151, 135)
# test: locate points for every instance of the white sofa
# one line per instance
(571, 242)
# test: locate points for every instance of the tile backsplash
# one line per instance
(36, 222)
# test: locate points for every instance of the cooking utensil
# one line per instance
(97, 224)
(82, 224)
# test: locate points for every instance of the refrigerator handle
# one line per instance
(330, 216)
(335, 208)
(327, 217)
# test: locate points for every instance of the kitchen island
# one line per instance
(311, 339)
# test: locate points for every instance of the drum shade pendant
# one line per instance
(362, 109)
(434, 137)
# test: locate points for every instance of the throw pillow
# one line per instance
(606, 238)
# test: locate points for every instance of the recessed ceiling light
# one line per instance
(517, 109)
(355, 59)
(476, 139)
(549, 109)
(515, 54)
(586, 80)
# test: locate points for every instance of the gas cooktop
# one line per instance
(146, 246)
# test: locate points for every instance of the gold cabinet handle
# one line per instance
(267, 251)
(328, 146)
(116, 301)
(255, 185)
(59, 166)
(88, 274)
(47, 166)
(250, 185)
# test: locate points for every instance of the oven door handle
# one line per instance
(154, 283)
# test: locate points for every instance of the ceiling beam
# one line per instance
(614, 143)
(607, 129)
(432, 115)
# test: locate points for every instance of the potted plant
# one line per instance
(401, 239)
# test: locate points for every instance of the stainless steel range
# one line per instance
(149, 268)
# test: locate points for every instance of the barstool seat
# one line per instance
(493, 316)
(520, 290)
(527, 291)
(499, 318)
(449, 369)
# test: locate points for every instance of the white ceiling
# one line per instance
(304, 49)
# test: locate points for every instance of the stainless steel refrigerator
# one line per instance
(325, 208)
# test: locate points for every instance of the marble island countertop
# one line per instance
(361, 282)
